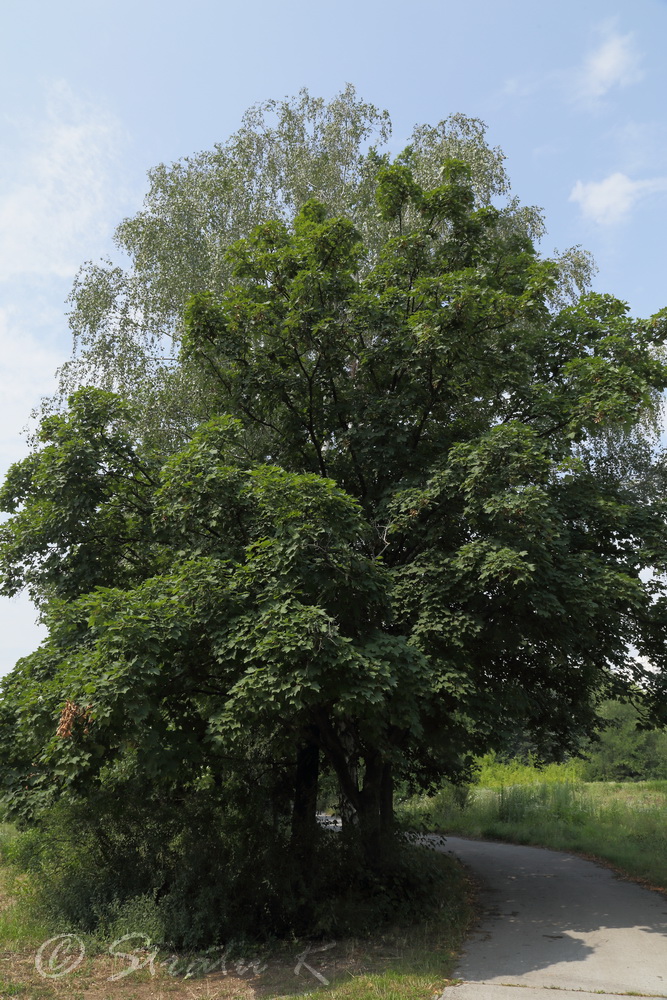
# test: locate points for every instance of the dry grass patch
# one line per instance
(407, 963)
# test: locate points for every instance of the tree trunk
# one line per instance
(338, 745)
(387, 800)
(376, 814)
(369, 809)
(304, 811)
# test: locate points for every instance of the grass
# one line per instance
(388, 986)
(623, 824)
(406, 962)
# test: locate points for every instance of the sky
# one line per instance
(95, 93)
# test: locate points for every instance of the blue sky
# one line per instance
(94, 93)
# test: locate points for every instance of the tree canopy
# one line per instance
(127, 319)
(395, 541)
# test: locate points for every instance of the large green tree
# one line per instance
(397, 542)
(624, 751)
(127, 315)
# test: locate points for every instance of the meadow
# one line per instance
(620, 823)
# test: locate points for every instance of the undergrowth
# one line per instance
(407, 951)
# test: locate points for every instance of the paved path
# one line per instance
(553, 921)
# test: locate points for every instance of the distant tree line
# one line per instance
(625, 752)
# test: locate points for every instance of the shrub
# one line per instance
(201, 877)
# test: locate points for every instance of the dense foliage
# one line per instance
(624, 751)
(396, 541)
(127, 321)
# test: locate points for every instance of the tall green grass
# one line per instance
(493, 773)
(22, 921)
(622, 823)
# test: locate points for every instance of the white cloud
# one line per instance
(59, 200)
(27, 370)
(21, 634)
(517, 86)
(27, 373)
(611, 200)
(614, 63)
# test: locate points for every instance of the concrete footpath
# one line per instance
(553, 921)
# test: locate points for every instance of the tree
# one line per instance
(394, 545)
(127, 321)
(624, 751)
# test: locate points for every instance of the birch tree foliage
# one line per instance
(127, 319)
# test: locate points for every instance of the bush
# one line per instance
(623, 752)
(216, 880)
(493, 772)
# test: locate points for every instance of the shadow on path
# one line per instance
(554, 920)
